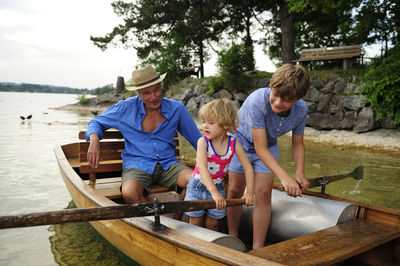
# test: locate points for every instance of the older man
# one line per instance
(148, 122)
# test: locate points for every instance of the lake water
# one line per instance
(30, 180)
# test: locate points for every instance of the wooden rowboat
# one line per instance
(369, 234)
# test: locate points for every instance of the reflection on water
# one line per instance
(381, 182)
(80, 244)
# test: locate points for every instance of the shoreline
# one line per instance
(383, 141)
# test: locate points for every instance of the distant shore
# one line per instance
(386, 141)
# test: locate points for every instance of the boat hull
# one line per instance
(137, 237)
(140, 240)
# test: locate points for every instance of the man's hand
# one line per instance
(93, 155)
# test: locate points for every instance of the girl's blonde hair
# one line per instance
(221, 111)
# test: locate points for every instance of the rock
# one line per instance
(311, 106)
(335, 120)
(198, 89)
(353, 102)
(349, 88)
(357, 90)
(323, 104)
(195, 103)
(387, 122)
(339, 86)
(349, 120)
(312, 95)
(241, 97)
(222, 94)
(178, 97)
(263, 83)
(318, 120)
(333, 109)
(365, 121)
(328, 88)
(318, 84)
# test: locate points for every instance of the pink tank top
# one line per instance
(217, 164)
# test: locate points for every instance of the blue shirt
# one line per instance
(143, 150)
(256, 112)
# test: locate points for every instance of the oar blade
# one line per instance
(358, 172)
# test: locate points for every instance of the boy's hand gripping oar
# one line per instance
(110, 212)
(357, 173)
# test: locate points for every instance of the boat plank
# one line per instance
(330, 245)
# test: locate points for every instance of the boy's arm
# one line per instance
(299, 158)
(261, 146)
(202, 164)
(248, 171)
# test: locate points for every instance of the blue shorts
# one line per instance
(258, 165)
(195, 190)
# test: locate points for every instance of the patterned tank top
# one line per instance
(217, 164)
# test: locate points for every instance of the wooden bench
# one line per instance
(331, 245)
(345, 53)
(111, 148)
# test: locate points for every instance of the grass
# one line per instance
(326, 75)
(262, 75)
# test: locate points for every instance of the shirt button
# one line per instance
(278, 129)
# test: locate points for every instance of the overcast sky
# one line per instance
(48, 42)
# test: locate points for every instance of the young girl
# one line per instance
(265, 115)
(214, 152)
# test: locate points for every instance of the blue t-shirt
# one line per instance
(143, 150)
(256, 112)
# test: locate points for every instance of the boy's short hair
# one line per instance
(290, 82)
(221, 111)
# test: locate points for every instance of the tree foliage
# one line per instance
(377, 21)
(383, 86)
(233, 63)
(158, 27)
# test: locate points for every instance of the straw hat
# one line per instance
(145, 77)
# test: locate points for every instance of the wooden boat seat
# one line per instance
(110, 187)
(331, 245)
(111, 148)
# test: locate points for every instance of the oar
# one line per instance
(109, 212)
(357, 173)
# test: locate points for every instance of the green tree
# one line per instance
(308, 24)
(152, 26)
(105, 89)
(383, 86)
(378, 21)
(233, 63)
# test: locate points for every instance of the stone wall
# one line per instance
(335, 104)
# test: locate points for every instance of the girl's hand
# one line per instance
(249, 198)
(220, 202)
